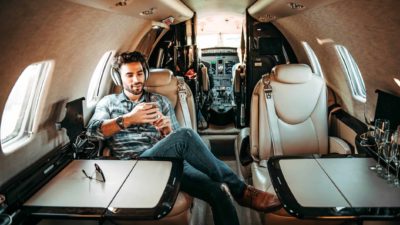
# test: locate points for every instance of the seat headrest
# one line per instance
(292, 73)
(158, 77)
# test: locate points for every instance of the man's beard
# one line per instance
(133, 89)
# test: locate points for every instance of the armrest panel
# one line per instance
(337, 145)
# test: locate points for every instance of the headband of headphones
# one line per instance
(124, 58)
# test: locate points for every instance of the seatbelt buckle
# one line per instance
(181, 89)
(268, 91)
(182, 95)
(267, 86)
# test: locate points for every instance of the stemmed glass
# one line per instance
(389, 150)
(396, 158)
(381, 125)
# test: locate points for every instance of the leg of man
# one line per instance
(199, 185)
(185, 144)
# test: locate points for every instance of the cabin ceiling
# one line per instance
(181, 10)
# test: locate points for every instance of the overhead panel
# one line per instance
(155, 10)
(270, 10)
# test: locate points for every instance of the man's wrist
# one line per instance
(120, 122)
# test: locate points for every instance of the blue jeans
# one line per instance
(203, 173)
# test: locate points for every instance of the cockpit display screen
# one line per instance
(228, 67)
(211, 70)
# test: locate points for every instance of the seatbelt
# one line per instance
(182, 94)
(272, 118)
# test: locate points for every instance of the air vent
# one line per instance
(122, 3)
(296, 6)
(148, 12)
(266, 18)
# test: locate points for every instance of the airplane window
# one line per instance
(93, 94)
(313, 59)
(353, 73)
(22, 104)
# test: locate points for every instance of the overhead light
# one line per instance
(159, 25)
(397, 81)
(148, 12)
(296, 6)
(258, 29)
(168, 20)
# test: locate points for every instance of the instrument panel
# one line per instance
(220, 63)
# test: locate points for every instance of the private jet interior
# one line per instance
(294, 95)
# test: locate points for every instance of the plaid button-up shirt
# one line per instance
(133, 140)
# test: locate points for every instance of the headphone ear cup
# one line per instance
(147, 69)
(116, 77)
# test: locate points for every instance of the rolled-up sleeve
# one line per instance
(101, 113)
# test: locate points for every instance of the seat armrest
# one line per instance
(242, 144)
(260, 177)
(337, 145)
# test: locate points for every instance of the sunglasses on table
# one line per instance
(98, 171)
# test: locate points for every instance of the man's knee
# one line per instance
(185, 132)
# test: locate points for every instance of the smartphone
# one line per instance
(153, 104)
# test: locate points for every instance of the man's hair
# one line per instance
(128, 57)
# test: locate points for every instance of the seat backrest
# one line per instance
(301, 107)
(163, 82)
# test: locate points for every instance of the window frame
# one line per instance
(97, 79)
(33, 106)
(314, 61)
(353, 74)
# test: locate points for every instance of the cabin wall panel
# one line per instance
(75, 37)
(369, 29)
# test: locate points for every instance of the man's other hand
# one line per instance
(143, 113)
(163, 124)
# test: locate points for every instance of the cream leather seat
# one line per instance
(300, 101)
(163, 82)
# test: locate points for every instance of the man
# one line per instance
(136, 124)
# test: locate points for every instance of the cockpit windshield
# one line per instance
(222, 30)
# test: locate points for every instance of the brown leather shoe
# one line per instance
(259, 200)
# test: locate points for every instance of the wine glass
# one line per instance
(370, 130)
(389, 150)
(396, 159)
(381, 125)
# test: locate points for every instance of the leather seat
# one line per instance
(163, 82)
(300, 101)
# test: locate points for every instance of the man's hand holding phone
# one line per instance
(143, 113)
